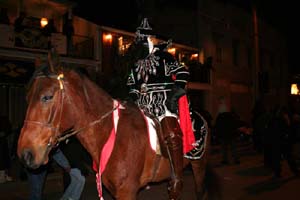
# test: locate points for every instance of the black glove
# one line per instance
(173, 96)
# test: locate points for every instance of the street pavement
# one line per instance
(247, 181)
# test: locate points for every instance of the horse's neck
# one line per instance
(97, 99)
(98, 119)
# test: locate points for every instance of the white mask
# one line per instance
(150, 45)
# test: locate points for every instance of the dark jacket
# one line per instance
(5, 126)
(226, 126)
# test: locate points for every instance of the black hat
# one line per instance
(143, 31)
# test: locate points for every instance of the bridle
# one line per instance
(57, 137)
(53, 139)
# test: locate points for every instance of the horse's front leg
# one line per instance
(127, 193)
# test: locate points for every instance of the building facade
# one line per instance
(249, 56)
(237, 62)
(80, 43)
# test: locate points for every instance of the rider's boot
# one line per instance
(173, 140)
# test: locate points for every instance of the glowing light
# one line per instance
(44, 22)
(201, 56)
(172, 51)
(194, 56)
(107, 37)
(294, 89)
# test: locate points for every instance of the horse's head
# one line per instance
(44, 121)
(61, 103)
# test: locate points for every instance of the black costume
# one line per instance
(152, 80)
(156, 82)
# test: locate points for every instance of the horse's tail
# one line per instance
(212, 182)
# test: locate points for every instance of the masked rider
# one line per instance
(156, 82)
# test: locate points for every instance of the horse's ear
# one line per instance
(53, 59)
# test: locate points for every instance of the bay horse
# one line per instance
(63, 102)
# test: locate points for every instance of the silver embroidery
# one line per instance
(146, 67)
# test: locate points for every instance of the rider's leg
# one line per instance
(173, 139)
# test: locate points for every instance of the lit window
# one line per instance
(294, 89)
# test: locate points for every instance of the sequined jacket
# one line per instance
(152, 78)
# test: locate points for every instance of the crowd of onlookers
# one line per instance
(274, 131)
(5, 155)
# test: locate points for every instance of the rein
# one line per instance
(74, 132)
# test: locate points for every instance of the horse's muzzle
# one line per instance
(27, 159)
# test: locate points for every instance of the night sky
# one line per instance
(280, 14)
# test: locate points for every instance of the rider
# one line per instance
(156, 82)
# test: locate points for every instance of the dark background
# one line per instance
(284, 16)
(125, 15)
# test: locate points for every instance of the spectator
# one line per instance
(37, 179)
(295, 124)
(3, 16)
(226, 127)
(281, 141)
(258, 114)
(19, 27)
(5, 130)
(78, 158)
(223, 105)
(19, 22)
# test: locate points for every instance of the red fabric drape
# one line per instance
(186, 124)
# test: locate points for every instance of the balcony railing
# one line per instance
(33, 39)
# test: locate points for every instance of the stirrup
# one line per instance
(175, 189)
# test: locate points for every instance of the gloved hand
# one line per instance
(132, 97)
(172, 98)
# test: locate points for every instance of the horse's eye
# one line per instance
(46, 98)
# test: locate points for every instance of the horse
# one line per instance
(64, 102)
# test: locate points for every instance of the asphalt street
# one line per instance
(247, 181)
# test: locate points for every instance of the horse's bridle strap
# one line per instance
(41, 124)
(52, 142)
(74, 132)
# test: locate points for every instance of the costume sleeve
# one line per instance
(178, 70)
(182, 76)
